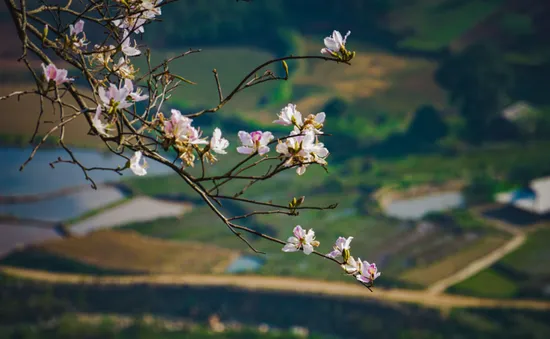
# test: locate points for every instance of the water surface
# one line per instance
(416, 208)
(39, 177)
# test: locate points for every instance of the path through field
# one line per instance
(476, 266)
(287, 285)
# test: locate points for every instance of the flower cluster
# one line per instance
(179, 132)
(363, 271)
(302, 147)
(120, 97)
(139, 12)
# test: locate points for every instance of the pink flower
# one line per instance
(341, 248)
(254, 141)
(56, 75)
(301, 240)
(367, 272)
(115, 97)
(77, 28)
(179, 127)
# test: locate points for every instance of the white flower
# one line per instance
(131, 23)
(101, 127)
(55, 75)
(341, 248)
(124, 69)
(351, 266)
(367, 273)
(335, 43)
(316, 150)
(301, 240)
(151, 7)
(315, 122)
(136, 96)
(254, 141)
(102, 54)
(217, 143)
(136, 167)
(115, 97)
(126, 46)
(302, 150)
(289, 116)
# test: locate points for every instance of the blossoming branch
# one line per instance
(130, 111)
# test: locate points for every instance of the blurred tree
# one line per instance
(478, 80)
(336, 107)
(427, 125)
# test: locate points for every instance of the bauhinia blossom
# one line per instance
(289, 115)
(352, 266)
(124, 69)
(77, 28)
(135, 96)
(55, 75)
(74, 31)
(315, 122)
(179, 128)
(367, 273)
(151, 7)
(131, 23)
(302, 150)
(136, 166)
(114, 98)
(127, 47)
(316, 151)
(341, 248)
(335, 43)
(101, 127)
(102, 55)
(301, 240)
(217, 143)
(254, 141)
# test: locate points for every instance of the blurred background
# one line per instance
(439, 162)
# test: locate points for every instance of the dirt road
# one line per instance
(287, 285)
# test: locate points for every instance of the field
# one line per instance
(434, 24)
(130, 252)
(522, 273)
(231, 63)
(18, 118)
(531, 257)
(411, 170)
(451, 264)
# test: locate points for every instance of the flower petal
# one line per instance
(307, 249)
(245, 150)
(290, 248)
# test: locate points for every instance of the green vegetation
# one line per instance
(521, 273)
(487, 283)
(532, 256)
(435, 24)
(73, 327)
(451, 264)
(433, 168)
